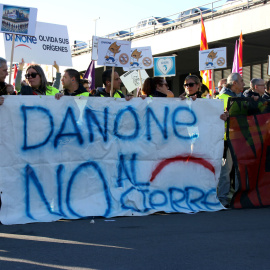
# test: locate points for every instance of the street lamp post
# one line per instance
(95, 20)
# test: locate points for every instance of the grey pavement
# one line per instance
(229, 239)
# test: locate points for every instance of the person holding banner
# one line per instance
(233, 88)
(71, 84)
(156, 87)
(5, 89)
(106, 79)
(257, 88)
(192, 85)
(35, 82)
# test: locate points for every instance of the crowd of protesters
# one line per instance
(35, 83)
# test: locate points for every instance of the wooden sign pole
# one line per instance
(112, 80)
(11, 58)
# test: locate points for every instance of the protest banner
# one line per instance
(213, 59)
(50, 43)
(249, 140)
(78, 157)
(131, 79)
(164, 66)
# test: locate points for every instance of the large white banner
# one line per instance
(78, 157)
(50, 43)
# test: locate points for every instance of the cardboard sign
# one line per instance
(140, 58)
(131, 79)
(213, 59)
(164, 66)
(94, 55)
(114, 53)
(50, 43)
(18, 20)
(81, 156)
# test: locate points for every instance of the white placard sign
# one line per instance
(95, 48)
(213, 58)
(114, 53)
(131, 79)
(80, 156)
(50, 43)
(140, 58)
(18, 20)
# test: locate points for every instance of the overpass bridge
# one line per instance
(223, 27)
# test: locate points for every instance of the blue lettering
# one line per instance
(153, 196)
(30, 174)
(69, 115)
(175, 202)
(103, 180)
(35, 109)
(164, 129)
(176, 123)
(122, 167)
(118, 119)
(89, 114)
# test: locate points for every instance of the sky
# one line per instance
(79, 15)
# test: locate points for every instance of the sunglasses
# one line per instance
(33, 75)
(189, 84)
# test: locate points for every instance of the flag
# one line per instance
(235, 68)
(240, 54)
(15, 74)
(205, 74)
(90, 75)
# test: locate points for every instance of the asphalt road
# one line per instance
(230, 239)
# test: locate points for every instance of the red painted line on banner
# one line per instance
(192, 159)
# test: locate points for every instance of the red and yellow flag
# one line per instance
(240, 54)
(205, 74)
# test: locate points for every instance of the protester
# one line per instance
(234, 87)
(205, 91)
(106, 79)
(267, 90)
(19, 83)
(5, 88)
(257, 88)
(36, 83)
(85, 84)
(222, 82)
(156, 87)
(71, 84)
(192, 85)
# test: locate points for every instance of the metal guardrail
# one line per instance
(176, 21)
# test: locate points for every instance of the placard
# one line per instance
(114, 53)
(140, 58)
(18, 20)
(50, 43)
(164, 66)
(213, 59)
(131, 79)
